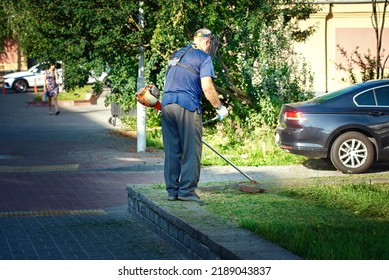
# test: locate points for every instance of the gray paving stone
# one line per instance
(85, 237)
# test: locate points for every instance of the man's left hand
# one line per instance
(222, 112)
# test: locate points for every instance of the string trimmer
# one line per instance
(149, 95)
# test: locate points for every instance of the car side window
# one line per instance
(39, 69)
(365, 99)
(382, 95)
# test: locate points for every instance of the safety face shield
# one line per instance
(214, 41)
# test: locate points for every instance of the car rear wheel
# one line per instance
(352, 152)
(20, 85)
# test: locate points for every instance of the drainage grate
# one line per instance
(51, 213)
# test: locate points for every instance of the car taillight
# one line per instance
(293, 116)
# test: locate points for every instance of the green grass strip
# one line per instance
(327, 222)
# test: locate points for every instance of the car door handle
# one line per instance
(375, 113)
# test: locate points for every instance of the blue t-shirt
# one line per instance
(183, 87)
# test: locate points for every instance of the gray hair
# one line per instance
(203, 33)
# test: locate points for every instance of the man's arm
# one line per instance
(211, 94)
(210, 91)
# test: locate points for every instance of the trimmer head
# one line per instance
(250, 187)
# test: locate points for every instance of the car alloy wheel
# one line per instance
(352, 152)
(20, 85)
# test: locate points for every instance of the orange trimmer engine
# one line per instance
(149, 96)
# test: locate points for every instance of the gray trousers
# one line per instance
(182, 134)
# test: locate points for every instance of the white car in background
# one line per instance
(21, 81)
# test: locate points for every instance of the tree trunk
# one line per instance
(379, 30)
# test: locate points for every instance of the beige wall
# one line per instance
(348, 25)
(11, 59)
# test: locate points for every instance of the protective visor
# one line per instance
(214, 42)
(214, 45)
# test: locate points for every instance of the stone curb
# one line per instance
(195, 231)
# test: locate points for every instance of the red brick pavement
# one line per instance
(69, 190)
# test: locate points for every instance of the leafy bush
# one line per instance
(274, 76)
(366, 64)
(123, 83)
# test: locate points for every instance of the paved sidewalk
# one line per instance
(62, 194)
(106, 235)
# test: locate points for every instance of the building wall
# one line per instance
(344, 23)
(11, 59)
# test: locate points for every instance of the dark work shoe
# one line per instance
(57, 113)
(193, 197)
(171, 198)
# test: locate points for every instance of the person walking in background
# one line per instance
(190, 73)
(51, 88)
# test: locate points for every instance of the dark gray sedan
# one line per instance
(349, 126)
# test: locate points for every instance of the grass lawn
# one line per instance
(76, 94)
(328, 222)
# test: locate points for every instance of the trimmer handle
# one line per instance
(211, 120)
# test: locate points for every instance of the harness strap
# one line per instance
(175, 61)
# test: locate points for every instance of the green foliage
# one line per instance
(256, 66)
(97, 88)
(86, 35)
(128, 122)
(6, 24)
(272, 74)
(75, 94)
(255, 76)
(123, 83)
